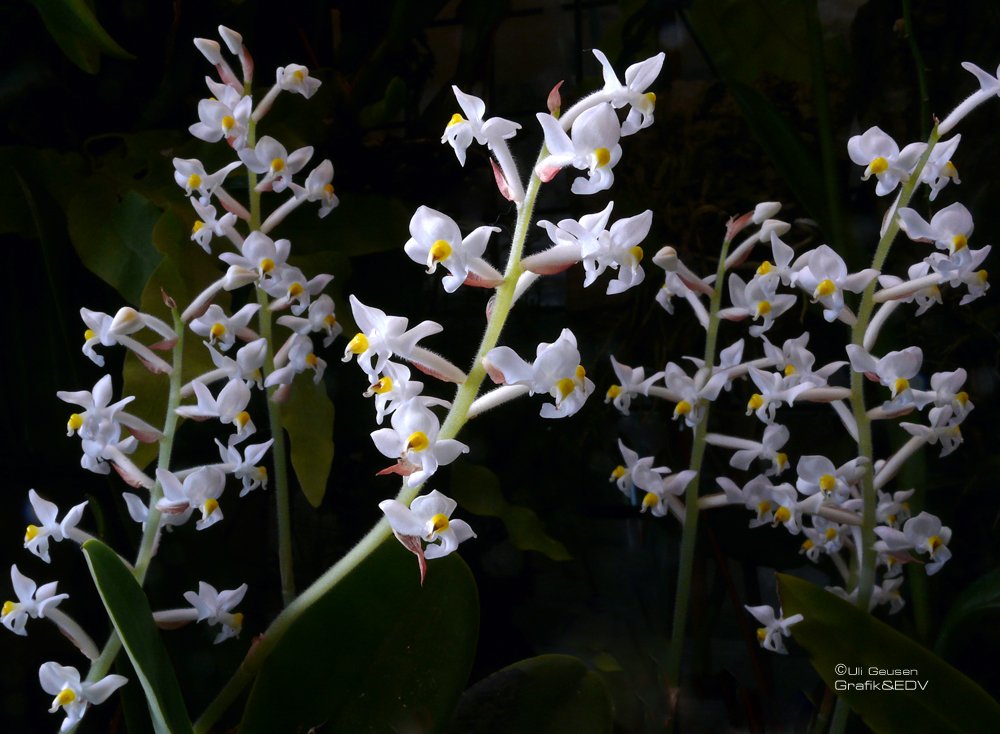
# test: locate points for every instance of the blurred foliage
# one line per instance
(92, 217)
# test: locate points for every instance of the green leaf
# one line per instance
(378, 653)
(550, 694)
(182, 273)
(129, 611)
(835, 632)
(112, 234)
(307, 416)
(73, 26)
(477, 489)
(981, 599)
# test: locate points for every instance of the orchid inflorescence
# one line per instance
(845, 508)
(246, 356)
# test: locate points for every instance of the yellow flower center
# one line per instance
(196, 227)
(242, 418)
(236, 622)
(650, 99)
(878, 165)
(682, 408)
(30, 533)
(825, 288)
(66, 696)
(580, 372)
(262, 472)
(75, 422)
(383, 386)
(266, 265)
(761, 634)
(826, 483)
(440, 250)
(782, 515)
(194, 181)
(891, 519)
(228, 123)
(614, 391)
(218, 330)
(295, 290)
(330, 320)
(958, 242)
(636, 252)
(298, 75)
(209, 507)
(89, 334)
(650, 500)
(807, 545)
(962, 398)
(949, 170)
(311, 359)
(765, 267)
(763, 507)
(565, 386)
(982, 275)
(934, 542)
(763, 308)
(439, 523)
(277, 165)
(455, 119)
(830, 533)
(756, 401)
(781, 458)
(417, 441)
(899, 385)
(789, 369)
(328, 189)
(618, 472)
(359, 344)
(8, 607)
(602, 156)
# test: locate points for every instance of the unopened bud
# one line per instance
(765, 210)
(210, 50)
(232, 39)
(554, 102)
(667, 259)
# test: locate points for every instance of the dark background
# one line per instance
(732, 69)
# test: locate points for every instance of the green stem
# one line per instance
(866, 580)
(100, 667)
(921, 68)
(453, 423)
(689, 534)
(279, 453)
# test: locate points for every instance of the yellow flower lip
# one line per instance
(826, 483)
(650, 500)
(782, 514)
(765, 268)
(218, 330)
(89, 334)
(602, 156)
(618, 472)
(614, 391)
(565, 386)
(682, 408)
(228, 123)
(825, 288)
(439, 523)
(359, 344)
(878, 165)
(30, 533)
(75, 422)
(66, 696)
(8, 607)
(756, 401)
(194, 181)
(417, 441)
(277, 165)
(439, 251)
(455, 119)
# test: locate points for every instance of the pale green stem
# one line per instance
(689, 534)
(866, 563)
(286, 565)
(100, 667)
(866, 576)
(453, 423)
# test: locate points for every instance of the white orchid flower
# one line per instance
(72, 695)
(295, 78)
(436, 239)
(216, 607)
(894, 371)
(949, 228)
(944, 428)
(32, 601)
(923, 533)
(631, 382)
(818, 475)
(428, 518)
(321, 317)
(593, 147)
(961, 268)
(225, 115)
(657, 493)
(825, 276)
(319, 187)
(395, 388)
(200, 490)
(636, 471)
(247, 467)
(221, 330)
(556, 371)
(36, 537)
(413, 441)
(883, 158)
(270, 158)
(572, 241)
(638, 78)
(939, 170)
(775, 627)
(461, 131)
(229, 407)
(190, 175)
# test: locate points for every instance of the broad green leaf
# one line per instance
(132, 618)
(550, 694)
(981, 599)
(378, 653)
(477, 489)
(308, 419)
(835, 632)
(112, 234)
(73, 26)
(182, 273)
